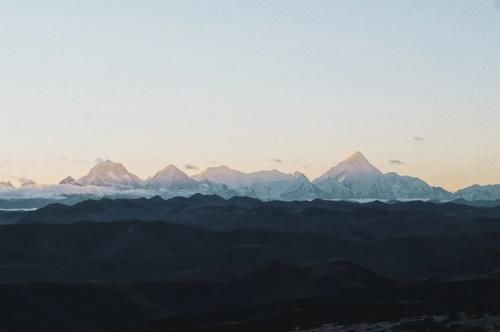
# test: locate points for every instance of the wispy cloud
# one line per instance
(418, 139)
(396, 162)
(191, 167)
(58, 192)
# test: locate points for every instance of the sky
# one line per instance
(292, 85)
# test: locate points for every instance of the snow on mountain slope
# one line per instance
(171, 178)
(223, 175)
(480, 193)
(357, 178)
(353, 178)
(355, 165)
(110, 174)
(211, 188)
(265, 185)
(395, 186)
(69, 180)
(302, 189)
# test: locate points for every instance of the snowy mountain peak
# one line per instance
(357, 157)
(108, 167)
(170, 173)
(171, 177)
(353, 178)
(108, 173)
(69, 180)
(355, 165)
(220, 174)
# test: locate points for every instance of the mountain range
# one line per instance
(353, 178)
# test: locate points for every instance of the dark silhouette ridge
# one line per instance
(198, 263)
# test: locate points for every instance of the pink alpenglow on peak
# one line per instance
(108, 173)
(355, 165)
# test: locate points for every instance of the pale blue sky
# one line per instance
(242, 83)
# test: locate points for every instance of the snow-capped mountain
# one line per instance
(357, 178)
(353, 178)
(302, 189)
(219, 189)
(354, 166)
(276, 185)
(69, 180)
(110, 174)
(223, 175)
(265, 185)
(172, 178)
(480, 193)
(395, 186)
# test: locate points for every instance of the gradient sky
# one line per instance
(293, 85)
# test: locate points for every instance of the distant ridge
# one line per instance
(353, 178)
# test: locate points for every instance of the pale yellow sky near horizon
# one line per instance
(246, 83)
(78, 168)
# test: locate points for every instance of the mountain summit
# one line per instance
(355, 165)
(69, 180)
(107, 173)
(357, 178)
(265, 185)
(171, 178)
(353, 178)
(223, 175)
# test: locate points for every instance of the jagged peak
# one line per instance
(170, 173)
(170, 169)
(355, 165)
(68, 180)
(357, 157)
(108, 164)
(107, 172)
(217, 172)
